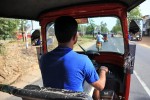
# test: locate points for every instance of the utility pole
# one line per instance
(92, 27)
(32, 24)
(22, 28)
(26, 37)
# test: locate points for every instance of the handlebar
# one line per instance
(36, 92)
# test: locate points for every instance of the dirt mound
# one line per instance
(15, 60)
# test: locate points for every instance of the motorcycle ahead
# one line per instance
(98, 45)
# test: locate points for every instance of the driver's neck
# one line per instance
(68, 44)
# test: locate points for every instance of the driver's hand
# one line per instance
(103, 68)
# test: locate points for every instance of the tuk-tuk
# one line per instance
(135, 31)
(112, 35)
(117, 54)
(105, 37)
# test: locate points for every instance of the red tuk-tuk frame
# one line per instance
(116, 8)
(112, 9)
(83, 11)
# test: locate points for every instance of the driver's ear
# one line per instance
(75, 38)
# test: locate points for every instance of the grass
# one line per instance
(2, 49)
(81, 40)
(85, 39)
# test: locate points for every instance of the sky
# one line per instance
(110, 21)
(144, 8)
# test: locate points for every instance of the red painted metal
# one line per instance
(20, 36)
(125, 31)
(126, 42)
(127, 86)
(81, 11)
(86, 11)
(110, 58)
(43, 31)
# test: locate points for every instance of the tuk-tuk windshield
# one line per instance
(88, 30)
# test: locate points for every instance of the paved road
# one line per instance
(114, 44)
(140, 82)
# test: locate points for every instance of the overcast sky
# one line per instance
(145, 8)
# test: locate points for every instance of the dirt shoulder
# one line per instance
(18, 66)
(145, 41)
(16, 60)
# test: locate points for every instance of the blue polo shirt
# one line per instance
(65, 69)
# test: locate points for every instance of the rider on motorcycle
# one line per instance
(99, 41)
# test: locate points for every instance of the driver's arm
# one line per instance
(100, 84)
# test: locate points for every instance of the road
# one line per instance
(140, 80)
(140, 87)
(114, 44)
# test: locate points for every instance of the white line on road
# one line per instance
(145, 45)
(142, 83)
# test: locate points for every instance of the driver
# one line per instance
(65, 69)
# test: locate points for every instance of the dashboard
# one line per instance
(114, 77)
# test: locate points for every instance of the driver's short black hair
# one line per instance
(65, 28)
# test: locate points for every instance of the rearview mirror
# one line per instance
(82, 21)
(133, 27)
(35, 38)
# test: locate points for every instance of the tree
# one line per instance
(22, 25)
(81, 29)
(91, 27)
(117, 28)
(103, 27)
(134, 14)
(8, 27)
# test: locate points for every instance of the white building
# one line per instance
(146, 25)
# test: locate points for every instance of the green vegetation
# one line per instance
(134, 14)
(2, 49)
(8, 27)
(91, 28)
(22, 24)
(117, 28)
(81, 40)
(104, 28)
(85, 39)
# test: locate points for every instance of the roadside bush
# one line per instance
(2, 49)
